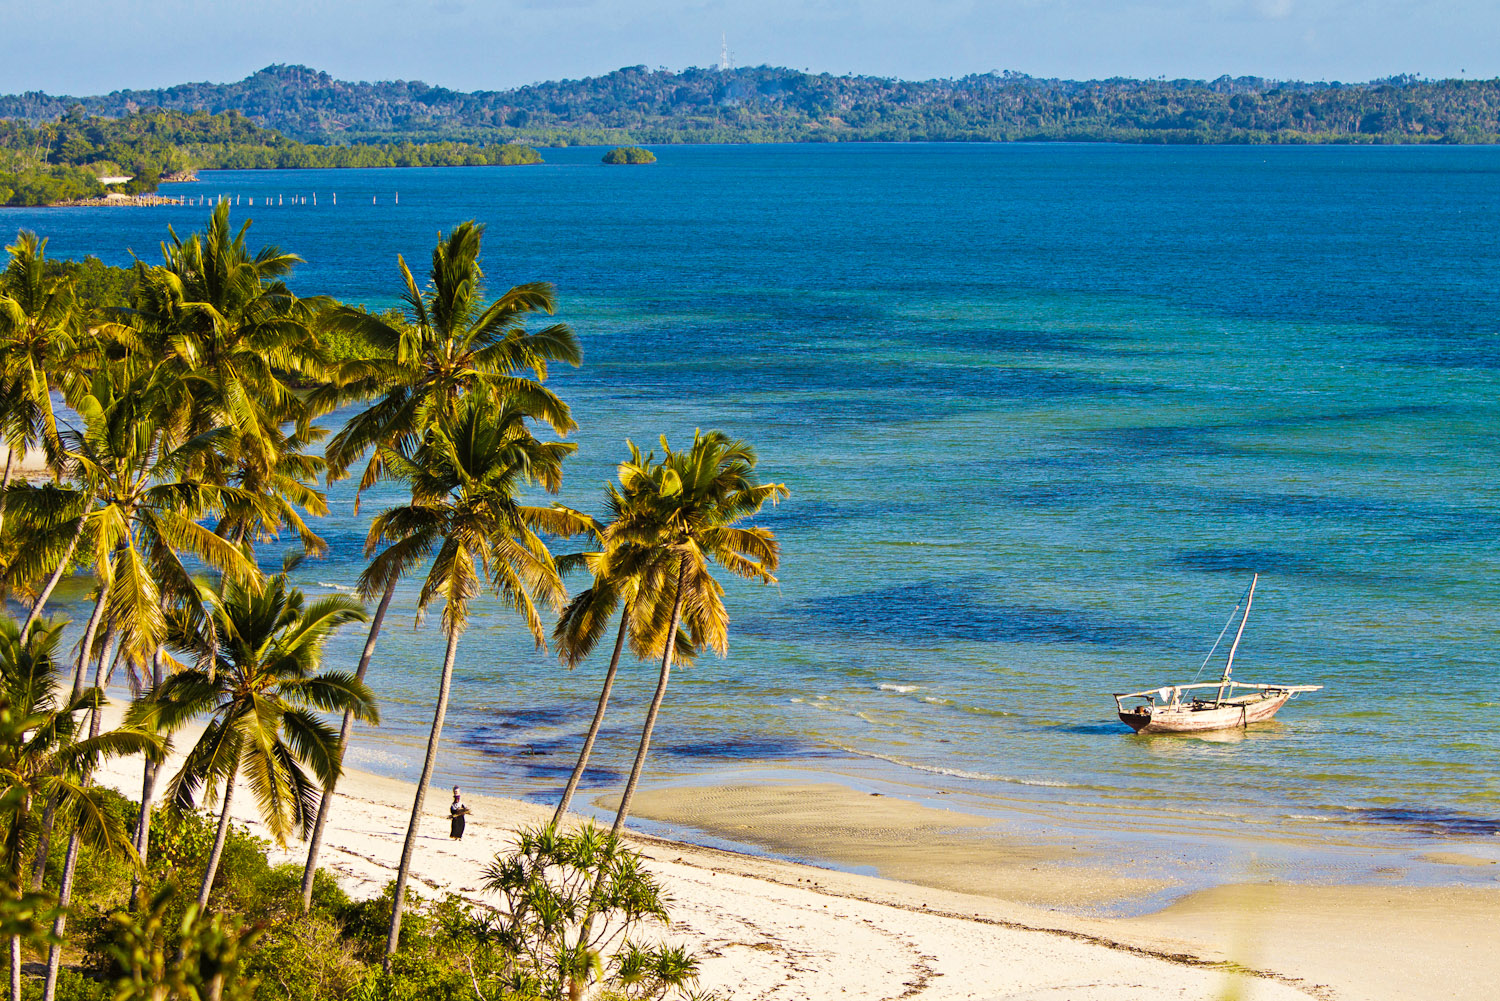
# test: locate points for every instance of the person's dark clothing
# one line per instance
(456, 817)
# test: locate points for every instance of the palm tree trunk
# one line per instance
(407, 850)
(219, 837)
(62, 565)
(588, 741)
(65, 891)
(15, 968)
(661, 691)
(49, 814)
(10, 464)
(149, 774)
(325, 804)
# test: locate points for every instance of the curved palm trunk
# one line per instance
(149, 773)
(404, 870)
(661, 691)
(588, 741)
(62, 566)
(219, 837)
(49, 815)
(10, 465)
(325, 804)
(65, 891)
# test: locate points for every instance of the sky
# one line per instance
(82, 47)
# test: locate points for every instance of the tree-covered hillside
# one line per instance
(62, 160)
(774, 104)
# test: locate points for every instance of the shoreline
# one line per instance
(764, 926)
(29, 466)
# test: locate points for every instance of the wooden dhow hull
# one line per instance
(1228, 715)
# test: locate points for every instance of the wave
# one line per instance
(958, 773)
(934, 700)
(336, 587)
(903, 689)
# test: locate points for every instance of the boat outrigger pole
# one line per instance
(1229, 664)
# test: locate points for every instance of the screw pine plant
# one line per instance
(568, 906)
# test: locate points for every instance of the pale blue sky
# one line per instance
(94, 46)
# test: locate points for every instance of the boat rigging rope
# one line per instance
(1222, 632)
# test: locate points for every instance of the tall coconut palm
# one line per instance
(464, 479)
(149, 508)
(43, 759)
(450, 342)
(227, 326)
(148, 516)
(628, 580)
(681, 516)
(259, 692)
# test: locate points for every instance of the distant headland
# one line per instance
(771, 104)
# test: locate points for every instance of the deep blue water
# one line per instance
(1042, 410)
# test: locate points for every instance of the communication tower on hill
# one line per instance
(724, 63)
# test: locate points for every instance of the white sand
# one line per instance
(767, 929)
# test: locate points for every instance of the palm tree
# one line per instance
(146, 510)
(464, 480)
(39, 334)
(449, 343)
(259, 690)
(42, 759)
(227, 326)
(680, 515)
(147, 517)
(627, 580)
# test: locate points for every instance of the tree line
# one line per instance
(774, 104)
(56, 161)
(196, 449)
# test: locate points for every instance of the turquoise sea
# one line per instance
(1042, 409)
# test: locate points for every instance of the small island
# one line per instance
(629, 154)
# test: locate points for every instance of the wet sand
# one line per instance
(898, 839)
(1362, 943)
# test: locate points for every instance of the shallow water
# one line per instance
(1042, 409)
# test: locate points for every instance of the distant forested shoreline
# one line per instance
(68, 159)
(772, 104)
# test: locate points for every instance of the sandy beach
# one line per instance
(28, 465)
(956, 916)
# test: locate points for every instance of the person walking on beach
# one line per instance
(456, 814)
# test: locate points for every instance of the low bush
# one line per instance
(566, 908)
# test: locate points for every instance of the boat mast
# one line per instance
(1229, 664)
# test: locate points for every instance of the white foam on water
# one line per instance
(903, 689)
(958, 773)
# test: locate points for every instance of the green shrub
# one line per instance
(554, 891)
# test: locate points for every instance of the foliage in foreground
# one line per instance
(568, 908)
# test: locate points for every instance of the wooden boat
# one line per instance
(1232, 704)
